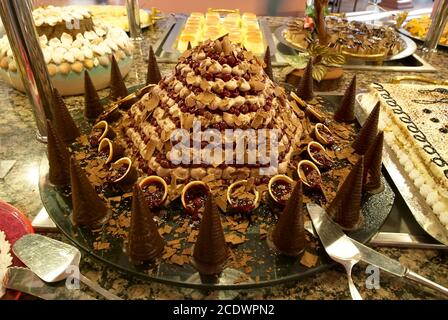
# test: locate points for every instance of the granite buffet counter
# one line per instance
(20, 188)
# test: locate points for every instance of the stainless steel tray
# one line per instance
(410, 46)
(421, 211)
(167, 52)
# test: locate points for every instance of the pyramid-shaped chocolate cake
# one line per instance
(288, 235)
(220, 86)
(58, 158)
(345, 209)
(93, 106)
(368, 131)
(62, 120)
(88, 208)
(210, 250)
(346, 110)
(144, 241)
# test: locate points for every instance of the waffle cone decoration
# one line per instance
(93, 107)
(88, 208)
(144, 240)
(345, 209)
(305, 87)
(210, 251)
(117, 87)
(368, 132)
(58, 158)
(63, 121)
(372, 164)
(346, 110)
(268, 63)
(153, 76)
(288, 235)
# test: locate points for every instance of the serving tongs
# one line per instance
(126, 102)
(310, 110)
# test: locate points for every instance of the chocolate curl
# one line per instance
(210, 251)
(368, 132)
(93, 106)
(58, 158)
(268, 62)
(345, 209)
(63, 121)
(346, 110)
(373, 161)
(153, 76)
(305, 87)
(117, 87)
(144, 240)
(88, 208)
(288, 235)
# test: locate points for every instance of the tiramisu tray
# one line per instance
(415, 123)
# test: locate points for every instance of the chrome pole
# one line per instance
(19, 26)
(437, 26)
(135, 29)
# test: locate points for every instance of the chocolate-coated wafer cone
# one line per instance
(58, 158)
(372, 164)
(93, 106)
(153, 76)
(210, 250)
(346, 110)
(345, 209)
(368, 132)
(189, 47)
(117, 86)
(288, 235)
(88, 208)
(63, 121)
(268, 62)
(305, 87)
(144, 240)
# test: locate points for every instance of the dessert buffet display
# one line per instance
(418, 28)
(236, 222)
(71, 44)
(117, 16)
(243, 29)
(415, 123)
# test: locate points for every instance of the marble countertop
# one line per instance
(20, 188)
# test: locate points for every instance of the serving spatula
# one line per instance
(336, 243)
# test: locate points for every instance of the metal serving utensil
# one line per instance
(338, 246)
(54, 261)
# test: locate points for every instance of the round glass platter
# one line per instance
(264, 268)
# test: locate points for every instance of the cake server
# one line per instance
(54, 261)
(26, 281)
(394, 267)
(369, 255)
(338, 246)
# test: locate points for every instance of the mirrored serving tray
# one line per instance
(411, 62)
(267, 269)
